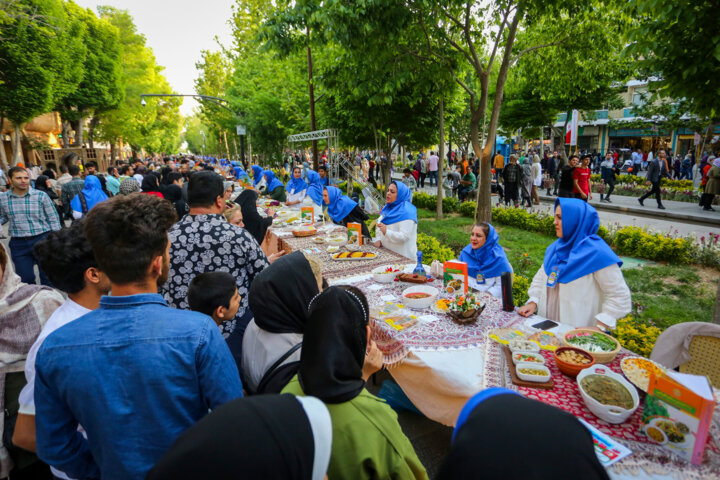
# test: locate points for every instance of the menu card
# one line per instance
(608, 451)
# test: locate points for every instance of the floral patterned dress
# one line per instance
(208, 243)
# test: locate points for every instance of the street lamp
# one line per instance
(220, 102)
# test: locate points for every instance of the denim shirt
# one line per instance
(135, 374)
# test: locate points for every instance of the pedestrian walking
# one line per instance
(582, 186)
(423, 169)
(566, 179)
(537, 179)
(712, 187)
(654, 176)
(433, 163)
(607, 173)
(512, 174)
(498, 165)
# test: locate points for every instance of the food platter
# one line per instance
(353, 256)
(638, 371)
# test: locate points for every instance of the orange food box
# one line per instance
(307, 214)
(354, 233)
(455, 277)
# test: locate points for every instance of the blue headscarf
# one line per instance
(476, 400)
(296, 185)
(239, 171)
(257, 174)
(272, 182)
(92, 192)
(401, 209)
(581, 251)
(315, 190)
(339, 205)
(490, 259)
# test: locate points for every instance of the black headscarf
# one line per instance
(262, 437)
(507, 436)
(173, 193)
(279, 295)
(254, 223)
(150, 183)
(41, 184)
(334, 347)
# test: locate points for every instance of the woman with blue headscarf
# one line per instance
(315, 189)
(486, 260)
(296, 188)
(344, 210)
(274, 188)
(484, 447)
(397, 225)
(580, 282)
(258, 177)
(91, 195)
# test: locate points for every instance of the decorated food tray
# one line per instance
(304, 232)
(545, 340)
(345, 256)
(638, 371)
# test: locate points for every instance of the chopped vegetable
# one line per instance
(593, 342)
(532, 371)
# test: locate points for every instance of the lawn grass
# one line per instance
(663, 295)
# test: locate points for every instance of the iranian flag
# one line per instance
(571, 129)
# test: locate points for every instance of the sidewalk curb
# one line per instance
(649, 211)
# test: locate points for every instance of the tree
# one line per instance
(37, 42)
(214, 71)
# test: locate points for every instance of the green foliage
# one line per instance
(449, 204)
(636, 336)
(516, 217)
(638, 242)
(467, 209)
(521, 285)
(432, 250)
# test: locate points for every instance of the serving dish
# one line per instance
(523, 372)
(336, 240)
(350, 256)
(527, 357)
(572, 366)
(639, 369)
(607, 409)
(385, 274)
(602, 346)
(523, 345)
(425, 296)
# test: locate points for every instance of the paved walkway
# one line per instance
(674, 211)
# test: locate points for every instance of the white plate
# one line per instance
(533, 378)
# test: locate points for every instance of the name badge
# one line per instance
(480, 278)
(553, 277)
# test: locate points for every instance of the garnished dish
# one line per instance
(607, 391)
(441, 306)
(603, 347)
(305, 231)
(638, 371)
(420, 297)
(522, 345)
(532, 372)
(354, 256)
(571, 360)
(385, 274)
(465, 309)
(417, 295)
(571, 356)
(337, 241)
(525, 357)
(319, 240)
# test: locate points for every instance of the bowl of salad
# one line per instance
(603, 347)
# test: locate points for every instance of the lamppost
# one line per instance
(202, 152)
(220, 102)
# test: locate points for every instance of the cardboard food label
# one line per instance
(455, 277)
(307, 214)
(354, 233)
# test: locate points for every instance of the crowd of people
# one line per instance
(158, 312)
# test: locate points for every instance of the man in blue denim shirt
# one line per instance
(134, 373)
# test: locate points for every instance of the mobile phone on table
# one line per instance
(545, 325)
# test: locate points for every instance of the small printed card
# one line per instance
(608, 451)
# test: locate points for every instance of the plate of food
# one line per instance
(386, 274)
(420, 297)
(441, 306)
(503, 336)
(336, 240)
(546, 340)
(349, 256)
(675, 434)
(603, 347)
(606, 394)
(639, 369)
(305, 231)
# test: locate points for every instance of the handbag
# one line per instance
(548, 182)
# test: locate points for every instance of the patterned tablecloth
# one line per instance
(282, 239)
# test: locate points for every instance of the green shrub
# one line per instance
(449, 204)
(519, 218)
(467, 209)
(343, 186)
(635, 335)
(638, 242)
(520, 289)
(432, 250)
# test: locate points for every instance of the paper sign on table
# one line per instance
(387, 298)
(608, 451)
(375, 287)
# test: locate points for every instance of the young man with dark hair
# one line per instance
(111, 179)
(126, 171)
(32, 216)
(134, 373)
(215, 295)
(581, 179)
(512, 177)
(68, 260)
(91, 167)
(203, 241)
(322, 171)
(566, 179)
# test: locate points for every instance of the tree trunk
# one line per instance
(312, 98)
(483, 213)
(66, 128)
(113, 152)
(227, 149)
(79, 132)
(91, 131)
(552, 138)
(3, 155)
(17, 145)
(542, 143)
(716, 313)
(441, 156)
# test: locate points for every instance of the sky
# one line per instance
(177, 31)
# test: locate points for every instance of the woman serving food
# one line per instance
(396, 229)
(486, 260)
(580, 282)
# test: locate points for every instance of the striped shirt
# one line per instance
(29, 215)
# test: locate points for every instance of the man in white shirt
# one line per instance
(68, 260)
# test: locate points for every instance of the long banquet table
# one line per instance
(440, 365)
